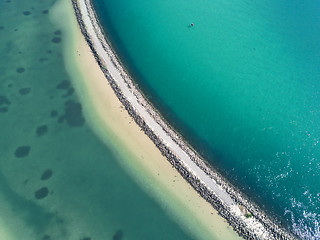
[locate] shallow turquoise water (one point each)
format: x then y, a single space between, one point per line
242 86
57 179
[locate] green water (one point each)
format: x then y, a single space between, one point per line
241 85
57 179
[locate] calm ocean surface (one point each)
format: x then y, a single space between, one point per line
242 86
58 181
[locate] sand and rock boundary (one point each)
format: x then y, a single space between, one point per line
246 218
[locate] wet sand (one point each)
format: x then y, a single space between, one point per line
140 157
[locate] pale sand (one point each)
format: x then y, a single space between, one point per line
5 233
141 158
8 228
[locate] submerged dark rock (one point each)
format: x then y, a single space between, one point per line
65 84
86 238
46 237
58 32
56 40
42 130
3 109
1 27
4 100
46 174
22 151
24 91
61 119
73 114
41 193
53 113
69 93
45 11
26 13
43 59
20 70
118 235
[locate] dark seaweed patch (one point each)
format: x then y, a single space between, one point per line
26 13
16 29
58 32
42 130
118 235
46 174
46 237
20 70
9 85
22 151
3 109
73 114
43 60
41 193
56 40
24 91
69 93
86 238
1 27
4 100
49 51
53 113
8 1
45 11
61 119
64 84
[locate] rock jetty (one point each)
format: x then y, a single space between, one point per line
247 219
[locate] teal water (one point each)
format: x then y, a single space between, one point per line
241 85
58 181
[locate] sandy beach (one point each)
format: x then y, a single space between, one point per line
118 137
143 149
147 166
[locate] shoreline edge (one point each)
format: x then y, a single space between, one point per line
228 201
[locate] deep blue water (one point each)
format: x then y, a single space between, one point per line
241 85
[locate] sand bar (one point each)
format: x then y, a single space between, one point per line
210 186
108 118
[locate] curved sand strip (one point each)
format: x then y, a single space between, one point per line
216 191
140 158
